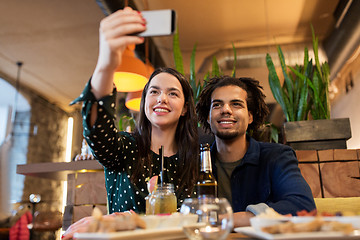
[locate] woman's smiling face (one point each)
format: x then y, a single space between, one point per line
164 101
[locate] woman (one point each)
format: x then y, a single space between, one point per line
167 118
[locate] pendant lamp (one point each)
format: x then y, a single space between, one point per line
133 99
132 74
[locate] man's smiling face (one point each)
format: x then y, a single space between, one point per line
229 116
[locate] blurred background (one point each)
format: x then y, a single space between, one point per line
48 51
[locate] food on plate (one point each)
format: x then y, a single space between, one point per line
114 222
324 214
123 221
274 223
318 224
306 213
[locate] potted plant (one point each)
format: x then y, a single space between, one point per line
196 85
268 132
304 99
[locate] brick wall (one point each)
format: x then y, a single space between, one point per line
47 145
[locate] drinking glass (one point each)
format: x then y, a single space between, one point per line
161 200
215 218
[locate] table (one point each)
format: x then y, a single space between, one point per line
233 236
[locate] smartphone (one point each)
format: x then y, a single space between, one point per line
159 23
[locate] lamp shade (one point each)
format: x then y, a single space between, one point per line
132 74
132 101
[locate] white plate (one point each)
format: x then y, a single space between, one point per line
354 220
258 222
249 231
143 234
168 221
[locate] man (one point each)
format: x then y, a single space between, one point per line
252 175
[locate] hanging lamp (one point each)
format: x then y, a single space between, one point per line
132 74
133 99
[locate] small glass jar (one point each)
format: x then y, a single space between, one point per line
162 200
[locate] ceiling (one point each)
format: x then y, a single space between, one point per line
57 40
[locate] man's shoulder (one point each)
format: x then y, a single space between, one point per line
275 152
273 147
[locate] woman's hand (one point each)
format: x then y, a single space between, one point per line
116 32
77 227
83 224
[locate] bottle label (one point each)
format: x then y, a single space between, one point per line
207 189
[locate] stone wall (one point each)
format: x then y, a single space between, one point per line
39 135
48 144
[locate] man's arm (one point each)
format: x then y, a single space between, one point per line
242 219
290 191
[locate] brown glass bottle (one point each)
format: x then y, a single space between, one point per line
206 185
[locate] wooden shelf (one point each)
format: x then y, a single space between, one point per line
58 170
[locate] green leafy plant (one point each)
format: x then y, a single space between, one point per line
125 122
196 85
305 90
267 132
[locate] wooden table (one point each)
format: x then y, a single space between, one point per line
233 236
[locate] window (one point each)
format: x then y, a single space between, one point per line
13 146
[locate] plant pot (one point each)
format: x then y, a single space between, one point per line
318 134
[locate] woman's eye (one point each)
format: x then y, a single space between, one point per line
173 94
152 92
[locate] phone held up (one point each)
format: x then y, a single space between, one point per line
159 23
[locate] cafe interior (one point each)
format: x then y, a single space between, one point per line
48 52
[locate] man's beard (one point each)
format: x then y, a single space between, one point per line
226 135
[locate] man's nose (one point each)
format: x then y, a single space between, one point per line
226 109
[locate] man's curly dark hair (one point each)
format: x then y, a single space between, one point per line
255 100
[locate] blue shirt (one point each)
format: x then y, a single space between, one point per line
268 173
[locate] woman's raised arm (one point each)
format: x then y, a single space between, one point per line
115 33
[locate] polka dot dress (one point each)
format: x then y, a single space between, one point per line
118 153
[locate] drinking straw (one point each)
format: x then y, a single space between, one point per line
161 151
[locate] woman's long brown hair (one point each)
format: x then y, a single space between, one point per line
186 136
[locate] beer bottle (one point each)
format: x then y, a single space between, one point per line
206 185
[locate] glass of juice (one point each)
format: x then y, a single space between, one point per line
162 200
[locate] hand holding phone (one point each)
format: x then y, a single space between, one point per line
159 23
